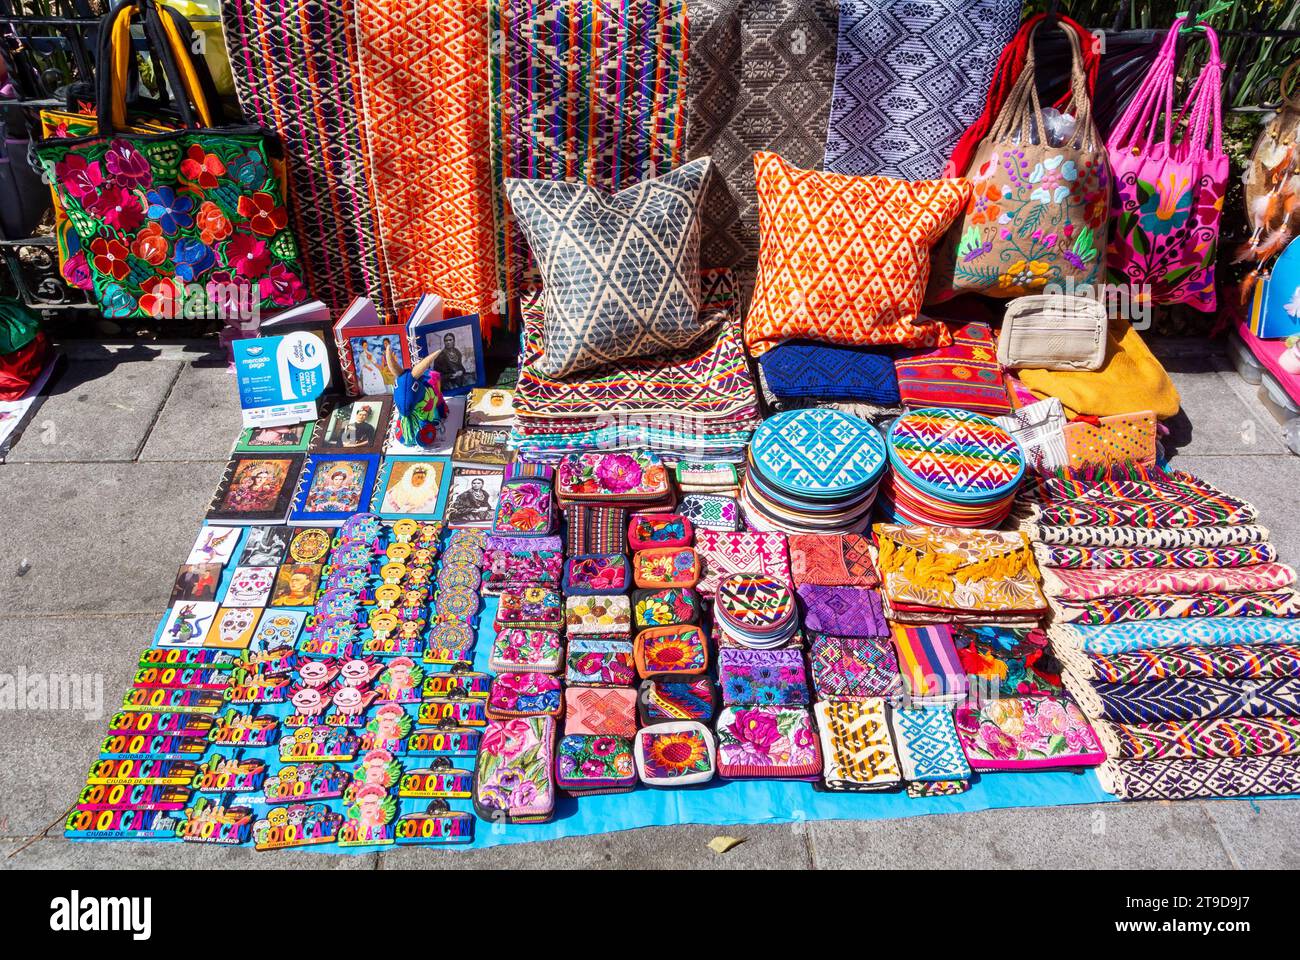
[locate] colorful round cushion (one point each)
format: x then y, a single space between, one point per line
818 452
755 602
955 455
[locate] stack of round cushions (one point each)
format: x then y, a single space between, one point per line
813 471
756 610
950 468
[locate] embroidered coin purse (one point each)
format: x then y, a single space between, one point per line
502 567
595 529
650 530
1108 441
843 611
675 754
525 508
666 567
514 771
638 477
598 614
1027 733
531 606
525 695
677 651
526 651
665 699
768 677
768 743
600 662
603 711
595 573
710 511
665 607
590 764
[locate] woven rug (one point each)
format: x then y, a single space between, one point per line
1200 698
1186 779
583 91
910 77
1107 536
1078 585
295 70
424 90
1151 558
1184 606
1140 666
760 77
1156 634
1192 739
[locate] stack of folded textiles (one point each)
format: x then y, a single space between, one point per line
1176 628
700 404
799 374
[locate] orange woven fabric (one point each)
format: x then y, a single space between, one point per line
846 259
424 82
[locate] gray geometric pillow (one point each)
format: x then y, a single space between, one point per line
621 272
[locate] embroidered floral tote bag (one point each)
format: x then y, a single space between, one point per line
1168 195
170 215
1038 211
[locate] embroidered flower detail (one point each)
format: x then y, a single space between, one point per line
127 165
984 203
265 217
109 256
118 208
212 223
114 301
150 245
202 168
1053 178
193 257
282 287
619 473
248 256
78 176
1024 276
76 270
170 211
1168 206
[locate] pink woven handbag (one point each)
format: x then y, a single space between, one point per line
1169 196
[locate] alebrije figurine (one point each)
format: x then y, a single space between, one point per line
418 398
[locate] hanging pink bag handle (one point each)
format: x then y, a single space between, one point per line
1154 99
1205 103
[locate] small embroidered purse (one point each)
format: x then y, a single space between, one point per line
514 772
598 614
602 662
671 651
525 695
663 699
526 651
768 743
675 754
595 573
649 530
665 607
590 764
666 567
600 711
769 677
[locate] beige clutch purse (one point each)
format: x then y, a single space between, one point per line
1053 332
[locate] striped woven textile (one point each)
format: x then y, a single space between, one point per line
1199 698
1133 558
1147 537
1156 634
583 91
424 88
1096 584
1190 739
1182 606
295 71
928 663
1140 666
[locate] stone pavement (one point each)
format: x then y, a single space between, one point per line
102 497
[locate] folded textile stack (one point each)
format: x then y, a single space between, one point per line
950 467
955 575
1176 629
812 471
965 375
804 373
697 405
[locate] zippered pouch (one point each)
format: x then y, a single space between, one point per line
530 607
596 573
666 567
671 651
676 754
600 662
525 507
526 651
514 772
711 511
1053 332
857 749
650 530
600 711
525 695
588 764
665 607
664 700
598 614
767 677
768 743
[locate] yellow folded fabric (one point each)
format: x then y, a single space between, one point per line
1130 381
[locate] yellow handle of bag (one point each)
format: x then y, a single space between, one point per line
120 65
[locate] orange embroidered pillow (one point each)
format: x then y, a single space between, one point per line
846 259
